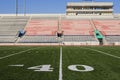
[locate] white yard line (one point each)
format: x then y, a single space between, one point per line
60 66
18 65
105 53
17 53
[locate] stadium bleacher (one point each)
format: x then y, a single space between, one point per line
109 28
42 26
8 39
44 17
113 38
9 27
81 38
78 30
76 27
38 39
42 29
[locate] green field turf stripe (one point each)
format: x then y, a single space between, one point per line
60 67
17 53
103 53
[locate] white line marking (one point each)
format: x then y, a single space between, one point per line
18 65
104 53
17 53
60 66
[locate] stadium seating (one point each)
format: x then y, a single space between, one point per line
80 38
109 28
77 30
42 26
38 39
113 38
44 29
7 39
44 17
77 27
9 27
41 30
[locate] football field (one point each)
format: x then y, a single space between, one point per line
60 63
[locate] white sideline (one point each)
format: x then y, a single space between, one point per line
104 53
17 53
60 66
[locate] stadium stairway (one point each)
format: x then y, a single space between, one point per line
110 29
92 23
23 30
98 35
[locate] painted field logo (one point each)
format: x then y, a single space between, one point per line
45 68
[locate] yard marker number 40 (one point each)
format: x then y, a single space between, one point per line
47 68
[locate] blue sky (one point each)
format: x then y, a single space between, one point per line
45 6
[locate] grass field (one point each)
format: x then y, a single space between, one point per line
16 61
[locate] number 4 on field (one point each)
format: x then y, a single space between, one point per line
42 68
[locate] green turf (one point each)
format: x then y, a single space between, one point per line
114 50
6 50
105 67
38 56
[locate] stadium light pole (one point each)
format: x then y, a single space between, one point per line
16 7
24 7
